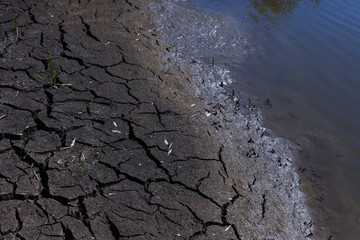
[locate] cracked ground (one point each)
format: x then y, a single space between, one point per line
110 151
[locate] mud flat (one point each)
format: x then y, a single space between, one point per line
257 162
135 140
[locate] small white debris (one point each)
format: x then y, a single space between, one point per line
38 178
226 229
166 142
207 114
169 151
116 131
170 146
230 199
73 142
61 161
2 116
178 234
82 158
139 164
115 124
107 43
137 39
51 15
192 105
111 194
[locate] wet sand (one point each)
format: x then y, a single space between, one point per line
134 141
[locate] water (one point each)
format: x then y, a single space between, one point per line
307 63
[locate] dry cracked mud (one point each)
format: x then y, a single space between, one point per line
120 148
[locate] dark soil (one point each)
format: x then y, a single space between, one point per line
117 149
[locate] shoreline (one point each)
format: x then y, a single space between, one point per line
125 146
324 220
226 110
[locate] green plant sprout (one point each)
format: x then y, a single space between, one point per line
36 74
14 22
16 29
166 70
54 74
17 205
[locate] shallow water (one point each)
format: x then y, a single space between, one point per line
304 57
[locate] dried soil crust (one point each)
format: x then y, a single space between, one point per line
122 148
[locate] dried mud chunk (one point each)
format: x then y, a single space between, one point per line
217 232
111 110
61 120
8 220
72 109
42 142
28 184
69 66
5 187
125 204
217 186
88 136
141 90
95 75
10 236
4 145
71 183
175 196
109 56
30 101
126 198
50 231
67 95
118 93
129 72
103 229
19 80
180 222
31 218
76 228
10 123
11 167
53 208
140 165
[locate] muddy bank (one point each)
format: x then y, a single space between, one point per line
199 41
254 156
132 142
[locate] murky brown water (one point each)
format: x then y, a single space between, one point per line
304 57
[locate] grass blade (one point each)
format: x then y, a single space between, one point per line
53 73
